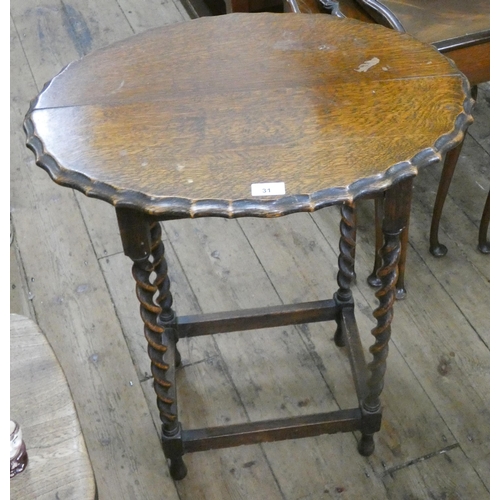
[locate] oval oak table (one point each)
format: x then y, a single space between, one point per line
253 115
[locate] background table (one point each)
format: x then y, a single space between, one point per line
457 28
41 402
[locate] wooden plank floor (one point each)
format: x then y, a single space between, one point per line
69 274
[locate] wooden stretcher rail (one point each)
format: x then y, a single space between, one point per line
355 350
276 430
253 319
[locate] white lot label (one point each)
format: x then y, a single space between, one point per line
268 188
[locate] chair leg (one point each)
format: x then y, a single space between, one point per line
437 249
484 244
450 162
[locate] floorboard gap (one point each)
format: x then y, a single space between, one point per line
420 459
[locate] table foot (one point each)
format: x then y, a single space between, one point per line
438 250
178 469
484 248
400 293
339 337
366 445
373 280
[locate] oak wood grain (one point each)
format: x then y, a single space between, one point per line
459 29
167 132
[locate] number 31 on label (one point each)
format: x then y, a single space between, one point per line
268 188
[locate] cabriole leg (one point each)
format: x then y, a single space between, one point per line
450 162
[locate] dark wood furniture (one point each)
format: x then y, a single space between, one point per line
460 29
252 115
41 402
233 6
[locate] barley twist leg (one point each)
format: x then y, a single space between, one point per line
159 328
374 280
162 283
388 274
345 274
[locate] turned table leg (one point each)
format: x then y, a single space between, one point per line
345 274
142 243
396 214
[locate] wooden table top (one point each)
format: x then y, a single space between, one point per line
182 121
41 402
